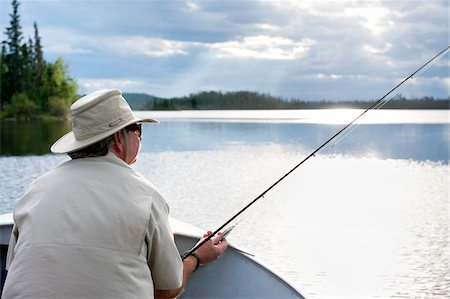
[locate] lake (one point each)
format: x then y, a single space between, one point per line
368 217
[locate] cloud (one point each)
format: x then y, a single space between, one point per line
88 85
374 18
192 6
425 86
375 51
254 47
140 45
66 48
328 76
263 47
65 41
61 41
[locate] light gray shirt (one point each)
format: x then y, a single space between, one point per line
91 228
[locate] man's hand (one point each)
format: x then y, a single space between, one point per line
212 249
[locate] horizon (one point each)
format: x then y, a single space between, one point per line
394 98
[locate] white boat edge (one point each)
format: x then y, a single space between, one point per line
236 274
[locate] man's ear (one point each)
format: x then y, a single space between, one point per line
117 138
118 146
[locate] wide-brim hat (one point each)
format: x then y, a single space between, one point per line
95 117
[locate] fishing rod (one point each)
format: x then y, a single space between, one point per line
378 104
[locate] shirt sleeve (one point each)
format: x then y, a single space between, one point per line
163 257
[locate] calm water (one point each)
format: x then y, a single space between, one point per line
367 218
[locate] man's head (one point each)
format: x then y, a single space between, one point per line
127 143
99 119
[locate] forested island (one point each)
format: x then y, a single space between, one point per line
216 100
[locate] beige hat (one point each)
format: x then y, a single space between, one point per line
95 117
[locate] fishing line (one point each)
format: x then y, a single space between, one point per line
378 104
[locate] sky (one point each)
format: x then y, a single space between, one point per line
306 50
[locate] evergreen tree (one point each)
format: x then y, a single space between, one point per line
12 57
3 71
26 64
39 70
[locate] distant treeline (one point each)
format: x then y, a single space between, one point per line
213 100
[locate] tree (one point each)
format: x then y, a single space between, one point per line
21 107
28 82
38 69
12 57
3 71
61 88
26 53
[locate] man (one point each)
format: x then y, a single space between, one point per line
93 227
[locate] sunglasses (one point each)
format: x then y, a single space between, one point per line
135 128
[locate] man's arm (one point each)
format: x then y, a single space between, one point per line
208 252
189 265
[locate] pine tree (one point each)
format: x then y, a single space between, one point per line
39 71
12 57
26 64
3 71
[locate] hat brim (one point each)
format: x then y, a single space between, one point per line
68 143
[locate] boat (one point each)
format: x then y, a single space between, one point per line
236 274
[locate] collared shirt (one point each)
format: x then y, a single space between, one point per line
91 228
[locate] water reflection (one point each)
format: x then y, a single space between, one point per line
388 141
30 138
416 141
